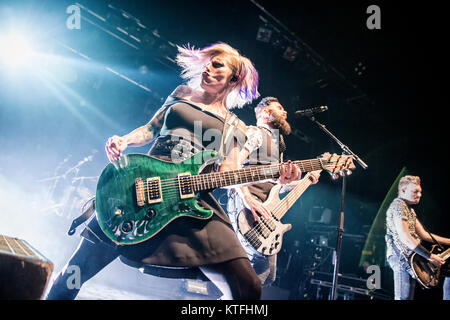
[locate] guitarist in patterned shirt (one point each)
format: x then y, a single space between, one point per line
404 234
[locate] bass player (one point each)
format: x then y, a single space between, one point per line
265 145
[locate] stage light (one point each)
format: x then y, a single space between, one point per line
143 69
290 54
360 69
264 34
15 50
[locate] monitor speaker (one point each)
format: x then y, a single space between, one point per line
24 272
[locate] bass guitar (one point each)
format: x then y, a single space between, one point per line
266 235
427 274
138 195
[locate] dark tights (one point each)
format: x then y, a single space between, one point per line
92 258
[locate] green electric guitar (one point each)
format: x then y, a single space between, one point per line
138 195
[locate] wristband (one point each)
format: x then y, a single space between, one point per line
422 251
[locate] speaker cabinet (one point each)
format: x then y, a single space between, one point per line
24 272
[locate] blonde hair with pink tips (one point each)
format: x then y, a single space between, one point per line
193 63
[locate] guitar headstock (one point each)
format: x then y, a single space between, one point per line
337 165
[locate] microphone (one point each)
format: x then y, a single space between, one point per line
310 112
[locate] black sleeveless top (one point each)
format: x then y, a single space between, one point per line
188 123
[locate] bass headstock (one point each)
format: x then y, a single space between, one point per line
337 165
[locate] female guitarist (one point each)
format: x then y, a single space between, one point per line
218 78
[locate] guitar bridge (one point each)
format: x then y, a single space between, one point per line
185 185
154 192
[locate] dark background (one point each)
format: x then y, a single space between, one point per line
60 110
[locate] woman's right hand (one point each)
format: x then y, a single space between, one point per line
114 147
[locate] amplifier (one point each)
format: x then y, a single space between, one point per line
24 272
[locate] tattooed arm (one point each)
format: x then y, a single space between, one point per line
145 134
138 137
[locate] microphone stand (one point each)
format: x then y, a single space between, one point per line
340 229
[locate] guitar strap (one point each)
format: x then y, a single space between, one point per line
438 244
231 123
87 213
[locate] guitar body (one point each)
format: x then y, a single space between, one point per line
119 213
264 237
427 274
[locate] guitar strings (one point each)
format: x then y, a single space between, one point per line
168 190
275 212
264 225
199 180
171 186
245 171
167 185
212 180
258 229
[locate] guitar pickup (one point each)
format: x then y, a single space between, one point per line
185 185
140 192
154 192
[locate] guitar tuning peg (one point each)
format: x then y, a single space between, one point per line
334 176
342 173
348 172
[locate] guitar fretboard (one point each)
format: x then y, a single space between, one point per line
248 175
263 227
446 254
287 202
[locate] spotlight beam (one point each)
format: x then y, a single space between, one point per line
15 50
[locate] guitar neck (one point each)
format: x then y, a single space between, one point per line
248 175
446 254
288 201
